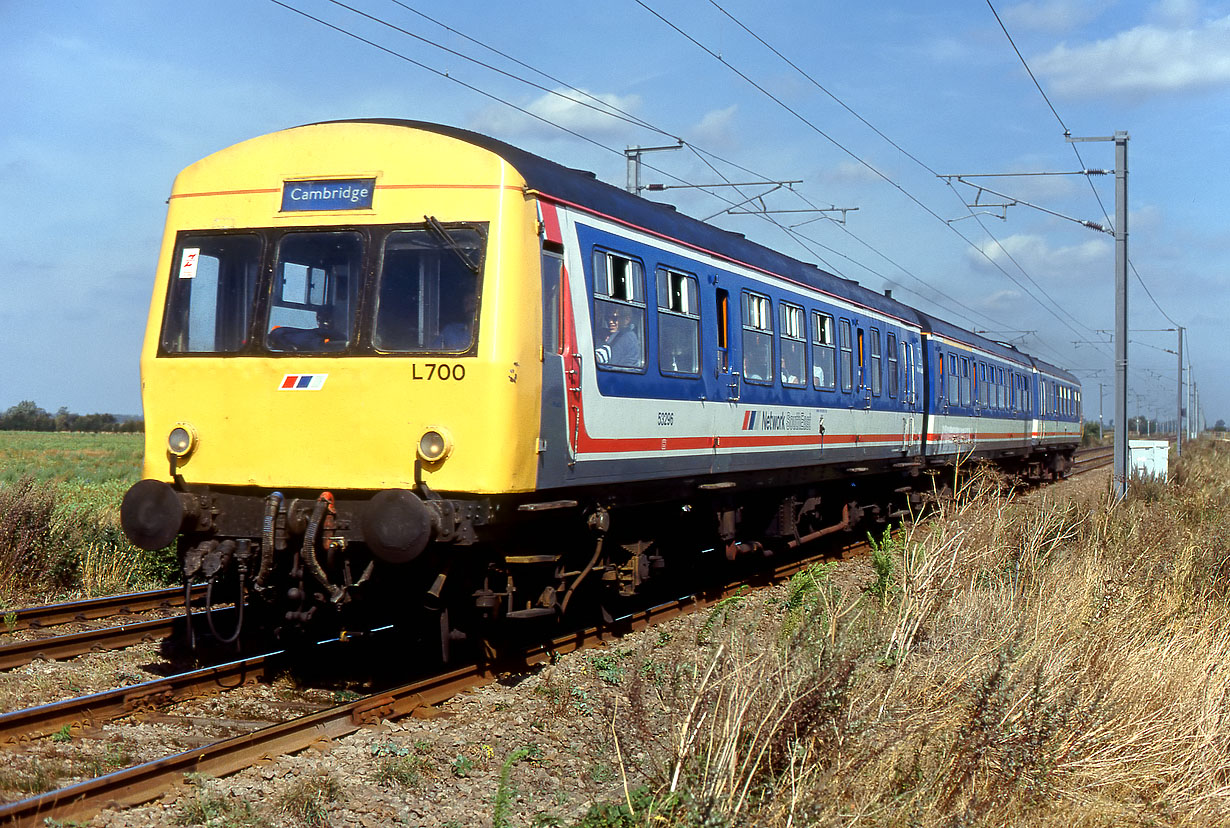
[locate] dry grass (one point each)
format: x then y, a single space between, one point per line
1044 661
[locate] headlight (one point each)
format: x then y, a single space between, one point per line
435 445
182 440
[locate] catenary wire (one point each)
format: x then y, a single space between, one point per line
1067 133
797 236
1057 305
854 156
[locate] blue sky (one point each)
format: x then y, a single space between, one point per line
104 102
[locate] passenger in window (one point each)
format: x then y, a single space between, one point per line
622 346
287 338
458 334
788 376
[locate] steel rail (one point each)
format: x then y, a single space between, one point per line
92 609
106 638
146 782
143 783
93 709
1091 459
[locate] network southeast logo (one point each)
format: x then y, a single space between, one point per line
303 382
777 421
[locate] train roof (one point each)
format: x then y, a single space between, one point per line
1055 371
1002 350
583 189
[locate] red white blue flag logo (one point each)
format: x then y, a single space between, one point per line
303 382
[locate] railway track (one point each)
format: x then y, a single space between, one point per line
142 783
1093 458
57 647
145 782
92 609
97 708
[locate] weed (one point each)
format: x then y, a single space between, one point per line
580 701
203 806
10 621
462 766
502 801
64 734
608 668
883 558
406 771
721 613
308 798
37 777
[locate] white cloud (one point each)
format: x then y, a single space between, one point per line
1053 15
1047 265
591 114
1146 60
716 128
849 172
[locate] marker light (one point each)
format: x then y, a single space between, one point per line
182 440
435 445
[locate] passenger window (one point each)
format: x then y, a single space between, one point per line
757 338
965 382
954 397
1001 389
794 346
847 356
678 323
619 311
890 347
876 363
822 351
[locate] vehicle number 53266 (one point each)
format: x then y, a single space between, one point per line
666 418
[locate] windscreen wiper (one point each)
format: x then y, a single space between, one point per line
436 227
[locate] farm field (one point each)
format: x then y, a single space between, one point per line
70 457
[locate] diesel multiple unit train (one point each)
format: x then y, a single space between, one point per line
391 363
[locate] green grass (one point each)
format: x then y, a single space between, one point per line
60 534
70 458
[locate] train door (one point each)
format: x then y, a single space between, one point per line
561 370
909 397
1033 396
860 404
981 384
727 375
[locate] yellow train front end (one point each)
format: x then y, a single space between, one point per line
342 361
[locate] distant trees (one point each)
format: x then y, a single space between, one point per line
1220 426
28 416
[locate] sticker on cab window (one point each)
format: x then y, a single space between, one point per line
187 264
